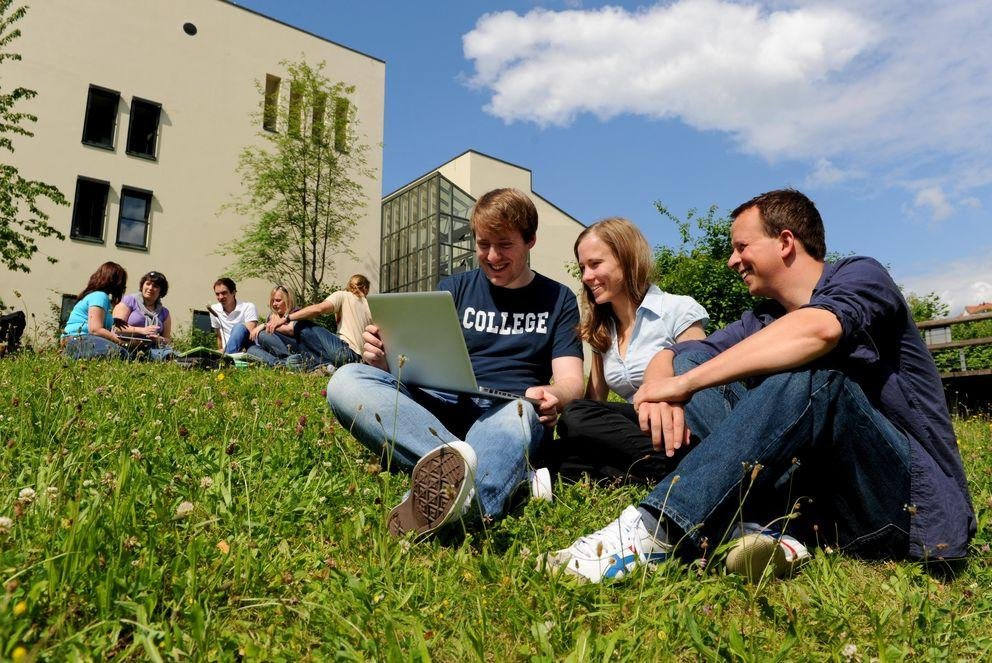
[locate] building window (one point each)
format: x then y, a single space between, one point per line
341 109
319 112
270 112
132 224
426 235
89 209
142 134
101 117
295 107
68 302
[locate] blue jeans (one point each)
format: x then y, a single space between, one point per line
278 345
238 340
815 434
89 346
402 424
320 346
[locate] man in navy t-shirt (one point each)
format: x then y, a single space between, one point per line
821 408
520 331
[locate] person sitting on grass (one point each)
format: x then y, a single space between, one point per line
457 445
626 320
826 390
277 347
231 320
143 313
89 331
320 346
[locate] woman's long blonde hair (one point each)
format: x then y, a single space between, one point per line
287 296
634 257
359 285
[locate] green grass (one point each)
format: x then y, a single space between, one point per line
283 555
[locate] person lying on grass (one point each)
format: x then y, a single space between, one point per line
456 445
825 391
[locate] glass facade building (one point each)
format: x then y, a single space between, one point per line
426 235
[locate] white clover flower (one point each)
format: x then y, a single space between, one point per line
184 509
52 491
87 483
206 482
5 524
136 454
26 495
849 651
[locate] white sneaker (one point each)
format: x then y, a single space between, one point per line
613 551
540 485
441 492
758 548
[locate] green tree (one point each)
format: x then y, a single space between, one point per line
302 185
926 307
698 266
22 218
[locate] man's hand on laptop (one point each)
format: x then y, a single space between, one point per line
374 353
548 409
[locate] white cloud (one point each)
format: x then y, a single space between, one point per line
933 199
825 174
903 90
962 282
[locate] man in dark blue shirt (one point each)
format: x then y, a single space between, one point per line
520 332
825 392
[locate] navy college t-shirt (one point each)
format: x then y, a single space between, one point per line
512 334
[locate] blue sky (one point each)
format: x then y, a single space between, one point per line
879 111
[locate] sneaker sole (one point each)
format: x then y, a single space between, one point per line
753 553
442 481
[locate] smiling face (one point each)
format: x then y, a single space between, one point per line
757 257
503 257
150 292
601 272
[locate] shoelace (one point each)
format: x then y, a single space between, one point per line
610 537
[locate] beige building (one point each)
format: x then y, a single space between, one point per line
425 224
143 108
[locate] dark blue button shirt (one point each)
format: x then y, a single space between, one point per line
881 349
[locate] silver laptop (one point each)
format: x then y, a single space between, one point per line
424 343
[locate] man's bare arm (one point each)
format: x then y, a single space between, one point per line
568 385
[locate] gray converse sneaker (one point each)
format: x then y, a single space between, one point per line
757 548
441 491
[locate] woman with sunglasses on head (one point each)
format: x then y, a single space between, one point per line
627 320
89 331
143 312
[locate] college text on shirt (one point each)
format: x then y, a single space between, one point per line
508 323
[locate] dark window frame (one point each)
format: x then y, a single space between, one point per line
130 150
270 103
141 193
88 117
74 232
65 308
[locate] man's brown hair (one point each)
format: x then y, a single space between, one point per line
501 210
788 209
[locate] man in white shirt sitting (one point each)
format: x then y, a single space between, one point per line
230 319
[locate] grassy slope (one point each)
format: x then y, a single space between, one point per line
284 554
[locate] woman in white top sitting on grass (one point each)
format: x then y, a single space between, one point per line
627 320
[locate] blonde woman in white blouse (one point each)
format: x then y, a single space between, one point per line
626 320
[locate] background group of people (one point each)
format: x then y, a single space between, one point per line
107 323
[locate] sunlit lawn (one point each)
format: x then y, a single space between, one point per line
155 512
